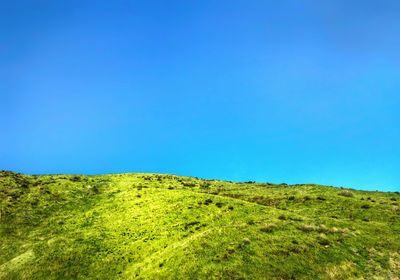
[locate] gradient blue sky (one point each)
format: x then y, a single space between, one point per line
278 91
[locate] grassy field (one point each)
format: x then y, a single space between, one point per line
154 226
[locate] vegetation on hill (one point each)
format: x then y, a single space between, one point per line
153 226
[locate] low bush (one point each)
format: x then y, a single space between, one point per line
322 229
265 200
307 228
346 193
282 217
322 240
76 178
191 224
296 219
229 251
268 228
208 201
206 185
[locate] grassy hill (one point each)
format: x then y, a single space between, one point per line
154 226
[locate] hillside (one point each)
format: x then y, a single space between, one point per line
154 226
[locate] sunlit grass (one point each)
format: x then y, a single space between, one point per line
165 226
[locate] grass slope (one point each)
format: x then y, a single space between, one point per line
154 226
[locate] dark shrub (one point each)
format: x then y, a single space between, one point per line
188 225
282 217
75 178
365 206
208 201
188 184
95 189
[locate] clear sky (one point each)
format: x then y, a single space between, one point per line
277 91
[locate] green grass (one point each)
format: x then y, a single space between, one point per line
153 226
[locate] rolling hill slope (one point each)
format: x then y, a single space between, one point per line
154 226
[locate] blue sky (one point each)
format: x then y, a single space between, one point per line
279 91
